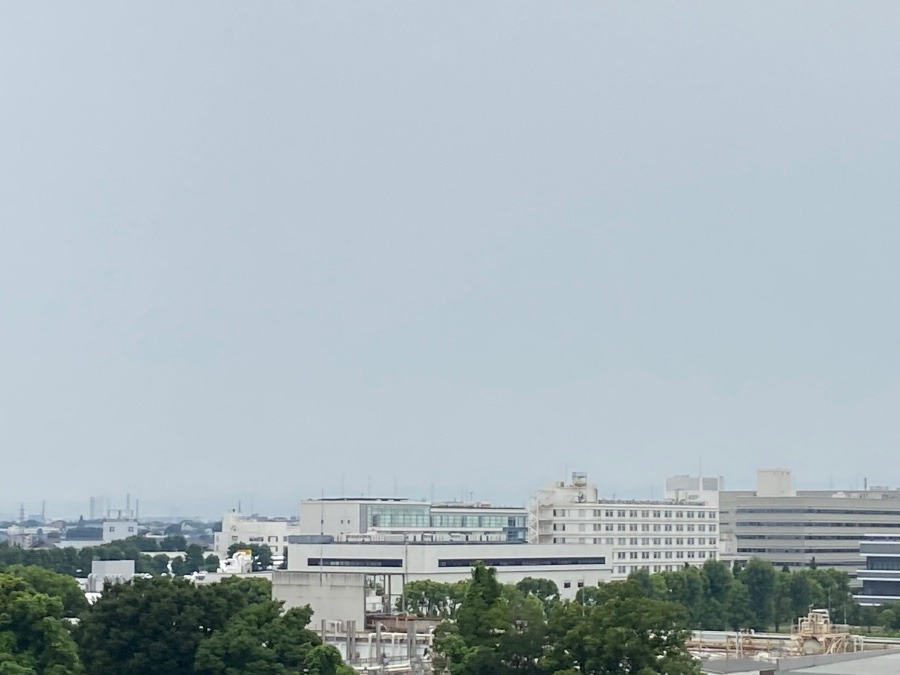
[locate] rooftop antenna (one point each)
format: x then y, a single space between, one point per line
395 486
342 485
369 485
321 522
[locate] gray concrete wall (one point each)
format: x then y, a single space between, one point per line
333 596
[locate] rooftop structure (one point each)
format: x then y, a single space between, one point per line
382 519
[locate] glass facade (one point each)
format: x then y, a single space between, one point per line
397 515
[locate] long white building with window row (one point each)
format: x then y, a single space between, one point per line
660 536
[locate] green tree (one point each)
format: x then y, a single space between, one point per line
259 639
737 606
325 660
53 584
149 626
626 633
34 637
759 578
782 611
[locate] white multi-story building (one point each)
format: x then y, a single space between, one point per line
240 529
659 536
374 519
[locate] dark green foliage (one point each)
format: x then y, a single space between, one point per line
77 562
171 626
34 637
432 598
612 629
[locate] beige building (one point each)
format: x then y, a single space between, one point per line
790 527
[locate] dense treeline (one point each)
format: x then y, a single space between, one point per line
713 596
525 629
158 626
147 553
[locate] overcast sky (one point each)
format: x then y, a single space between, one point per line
260 251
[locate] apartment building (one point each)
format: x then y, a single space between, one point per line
791 528
660 536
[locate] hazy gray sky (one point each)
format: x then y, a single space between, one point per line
253 250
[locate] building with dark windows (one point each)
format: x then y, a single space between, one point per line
881 577
344 581
658 535
792 528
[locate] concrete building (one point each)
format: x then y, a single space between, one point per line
790 527
254 529
109 572
660 536
376 519
881 576
337 578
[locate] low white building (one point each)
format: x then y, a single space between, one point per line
336 578
239 528
660 536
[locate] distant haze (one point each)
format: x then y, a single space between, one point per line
260 252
